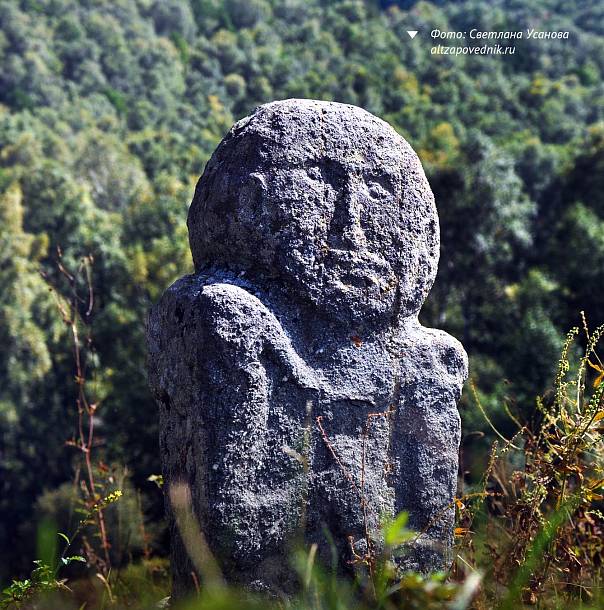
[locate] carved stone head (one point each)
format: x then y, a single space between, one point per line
325 199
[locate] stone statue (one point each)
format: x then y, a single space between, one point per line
300 399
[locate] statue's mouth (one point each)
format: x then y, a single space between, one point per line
359 269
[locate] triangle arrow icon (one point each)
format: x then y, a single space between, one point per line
412 33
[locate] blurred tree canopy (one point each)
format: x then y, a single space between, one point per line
109 110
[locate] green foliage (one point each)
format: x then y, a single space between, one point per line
63 508
44 578
539 536
117 100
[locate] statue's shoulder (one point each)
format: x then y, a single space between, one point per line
225 302
435 349
221 310
204 324
222 321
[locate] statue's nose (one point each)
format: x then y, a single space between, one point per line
345 229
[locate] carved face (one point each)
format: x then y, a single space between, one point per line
327 199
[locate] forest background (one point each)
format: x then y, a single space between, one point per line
109 110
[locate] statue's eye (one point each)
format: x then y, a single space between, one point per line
376 190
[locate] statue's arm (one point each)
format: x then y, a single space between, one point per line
213 351
206 345
426 441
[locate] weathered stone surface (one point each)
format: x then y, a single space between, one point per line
298 392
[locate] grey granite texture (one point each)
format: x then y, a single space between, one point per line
300 399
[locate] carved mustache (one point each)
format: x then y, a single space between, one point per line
361 269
